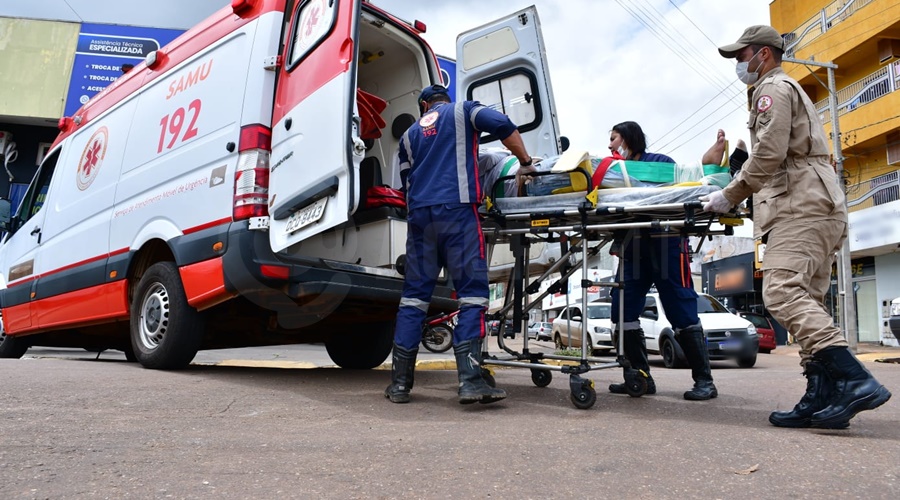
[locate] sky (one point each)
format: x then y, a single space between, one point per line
650 61
608 66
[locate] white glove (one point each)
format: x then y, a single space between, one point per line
716 202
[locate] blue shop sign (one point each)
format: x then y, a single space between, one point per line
102 50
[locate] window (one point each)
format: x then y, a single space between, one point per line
37 191
893 148
314 20
513 93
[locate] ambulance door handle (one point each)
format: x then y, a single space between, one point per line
288 123
37 231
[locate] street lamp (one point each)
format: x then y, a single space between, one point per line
845 276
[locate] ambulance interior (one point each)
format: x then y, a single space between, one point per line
393 68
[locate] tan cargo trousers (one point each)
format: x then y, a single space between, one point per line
797 275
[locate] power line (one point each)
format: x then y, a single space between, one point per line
661 34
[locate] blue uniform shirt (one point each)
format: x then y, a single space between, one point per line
656 157
438 154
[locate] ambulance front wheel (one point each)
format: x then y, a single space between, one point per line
166 332
11 347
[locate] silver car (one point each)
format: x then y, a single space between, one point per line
599 327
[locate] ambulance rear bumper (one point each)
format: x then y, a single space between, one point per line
252 270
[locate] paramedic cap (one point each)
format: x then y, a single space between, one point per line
431 91
754 35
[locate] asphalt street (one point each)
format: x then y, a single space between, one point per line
244 424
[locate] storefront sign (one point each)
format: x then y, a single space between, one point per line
102 50
729 276
875 227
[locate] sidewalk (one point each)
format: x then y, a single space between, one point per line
864 351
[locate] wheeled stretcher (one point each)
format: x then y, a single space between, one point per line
582 224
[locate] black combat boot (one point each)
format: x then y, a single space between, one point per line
818 390
855 389
636 352
472 387
403 368
693 343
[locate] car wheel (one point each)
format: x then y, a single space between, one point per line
747 362
11 347
558 341
166 332
669 354
766 351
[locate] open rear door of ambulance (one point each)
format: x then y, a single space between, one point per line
503 65
315 143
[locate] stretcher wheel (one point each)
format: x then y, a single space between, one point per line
584 396
541 378
635 383
488 377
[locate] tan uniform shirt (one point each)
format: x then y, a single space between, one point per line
789 167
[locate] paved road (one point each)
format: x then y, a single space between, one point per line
76 427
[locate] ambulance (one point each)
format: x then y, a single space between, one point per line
215 196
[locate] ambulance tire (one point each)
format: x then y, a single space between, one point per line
362 349
11 347
166 332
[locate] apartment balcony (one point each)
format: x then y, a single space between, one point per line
874 192
828 18
863 91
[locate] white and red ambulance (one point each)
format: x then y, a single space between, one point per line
215 195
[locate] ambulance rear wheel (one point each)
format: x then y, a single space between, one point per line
166 332
362 349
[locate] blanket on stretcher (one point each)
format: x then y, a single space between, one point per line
613 197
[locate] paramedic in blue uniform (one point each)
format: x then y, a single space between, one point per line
439 170
652 259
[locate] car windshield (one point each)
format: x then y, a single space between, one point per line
599 311
707 304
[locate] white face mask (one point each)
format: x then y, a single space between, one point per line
743 73
622 151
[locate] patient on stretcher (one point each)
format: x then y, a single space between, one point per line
620 181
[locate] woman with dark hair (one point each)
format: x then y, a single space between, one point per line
628 140
652 258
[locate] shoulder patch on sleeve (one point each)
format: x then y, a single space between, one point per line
764 103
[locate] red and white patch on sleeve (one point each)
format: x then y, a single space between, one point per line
764 103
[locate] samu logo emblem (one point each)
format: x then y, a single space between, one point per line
91 158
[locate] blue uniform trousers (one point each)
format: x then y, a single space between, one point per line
443 236
665 262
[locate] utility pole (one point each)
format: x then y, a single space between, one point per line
845 275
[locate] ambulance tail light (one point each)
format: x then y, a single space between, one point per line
251 179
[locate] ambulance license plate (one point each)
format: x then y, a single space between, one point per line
306 216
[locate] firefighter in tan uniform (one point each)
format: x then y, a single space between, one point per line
800 213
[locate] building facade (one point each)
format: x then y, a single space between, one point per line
861 37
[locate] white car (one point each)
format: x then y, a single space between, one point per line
727 334
598 323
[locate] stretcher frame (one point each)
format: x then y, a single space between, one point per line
589 227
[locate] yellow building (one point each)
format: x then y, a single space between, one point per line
861 37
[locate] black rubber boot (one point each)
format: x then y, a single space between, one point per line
403 369
472 387
636 352
819 387
855 389
693 343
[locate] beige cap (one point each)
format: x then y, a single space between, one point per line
754 35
